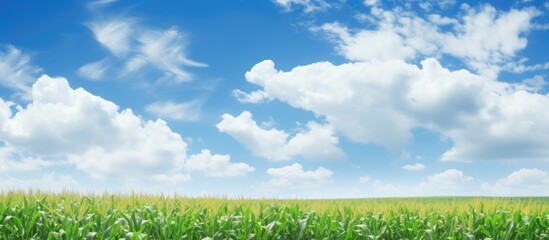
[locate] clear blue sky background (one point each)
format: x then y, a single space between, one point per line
306 98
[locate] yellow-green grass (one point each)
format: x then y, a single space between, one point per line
67 215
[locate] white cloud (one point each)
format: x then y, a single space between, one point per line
165 49
316 142
524 182
262 142
441 20
371 2
520 67
308 5
186 111
446 3
92 134
294 177
114 34
484 39
252 97
509 126
16 71
216 165
535 83
414 167
138 48
428 5
357 99
451 181
94 70
51 182
13 161
382 101
383 44
488 38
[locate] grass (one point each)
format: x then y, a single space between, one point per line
39 215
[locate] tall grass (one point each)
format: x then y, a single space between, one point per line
39 215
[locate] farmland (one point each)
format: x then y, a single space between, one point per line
37 215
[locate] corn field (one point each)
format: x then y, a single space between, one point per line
38 215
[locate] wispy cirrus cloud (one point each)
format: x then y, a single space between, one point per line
413 167
114 34
185 111
95 70
252 97
138 49
16 70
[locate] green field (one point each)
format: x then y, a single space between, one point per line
38 215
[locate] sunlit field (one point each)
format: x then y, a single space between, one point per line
38 215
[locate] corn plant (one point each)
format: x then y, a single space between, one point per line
71 216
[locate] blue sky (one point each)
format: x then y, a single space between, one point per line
286 98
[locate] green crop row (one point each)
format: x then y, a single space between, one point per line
95 218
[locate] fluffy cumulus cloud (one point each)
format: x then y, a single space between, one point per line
317 141
524 182
135 48
484 38
216 165
92 134
185 111
350 96
510 126
307 5
380 97
16 72
382 101
294 177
